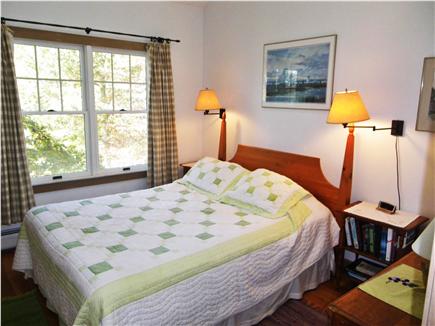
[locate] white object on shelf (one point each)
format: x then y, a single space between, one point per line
368 210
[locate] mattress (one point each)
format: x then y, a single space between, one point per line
146 257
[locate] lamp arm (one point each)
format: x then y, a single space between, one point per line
396 127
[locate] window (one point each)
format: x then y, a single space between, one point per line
84 110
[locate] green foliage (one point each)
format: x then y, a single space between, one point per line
51 155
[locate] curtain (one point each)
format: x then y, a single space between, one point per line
16 187
162 138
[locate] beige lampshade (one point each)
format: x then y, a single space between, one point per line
347 107
207 100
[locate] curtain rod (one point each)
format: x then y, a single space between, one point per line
88 30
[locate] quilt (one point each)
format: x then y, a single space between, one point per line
111 251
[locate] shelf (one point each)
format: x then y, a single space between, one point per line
368 255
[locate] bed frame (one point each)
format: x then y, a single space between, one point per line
305 170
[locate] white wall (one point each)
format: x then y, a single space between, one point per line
380 51
173 20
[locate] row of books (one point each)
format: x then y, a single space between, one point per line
381 242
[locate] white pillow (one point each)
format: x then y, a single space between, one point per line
213 177
265 193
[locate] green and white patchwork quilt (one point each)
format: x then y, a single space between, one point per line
108 252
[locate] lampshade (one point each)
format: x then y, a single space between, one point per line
347 107
207 100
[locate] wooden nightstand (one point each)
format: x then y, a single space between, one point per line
359 308
377 240
187 166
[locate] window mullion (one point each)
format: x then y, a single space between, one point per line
37 79
92 131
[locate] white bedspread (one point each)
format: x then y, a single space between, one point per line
203 299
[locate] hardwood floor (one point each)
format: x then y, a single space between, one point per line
310 310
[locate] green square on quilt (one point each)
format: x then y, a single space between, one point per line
39 210
166 235
117 248
272 197
232 167
268 183
176 210
181 200
159 250
242 223
104 217
159 189
241 214
250 190
137 219
204 236
91 229
208 211
217 181
146 208
184 192
124 195
215 169
72 213
54 226
201 175
171 222
153 198
85 202
207 223
117 205
72 244
208 201
127 233
98 268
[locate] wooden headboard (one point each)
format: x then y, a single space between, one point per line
305 170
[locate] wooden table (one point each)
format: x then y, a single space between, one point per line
187 166
359 308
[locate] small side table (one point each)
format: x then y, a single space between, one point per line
359 308
187 166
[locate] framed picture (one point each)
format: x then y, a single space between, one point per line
299 74
426 104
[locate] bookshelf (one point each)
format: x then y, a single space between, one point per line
382 239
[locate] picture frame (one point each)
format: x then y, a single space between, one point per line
426 104
299 74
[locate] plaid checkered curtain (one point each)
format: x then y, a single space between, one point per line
162 138
16 188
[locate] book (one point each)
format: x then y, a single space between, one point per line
354 232
383 244
371 239
347 229
365 237
367 268
389 246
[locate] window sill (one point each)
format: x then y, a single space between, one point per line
91 181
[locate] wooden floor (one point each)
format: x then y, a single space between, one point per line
310 310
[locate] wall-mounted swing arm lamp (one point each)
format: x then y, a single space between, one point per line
207 100
348 107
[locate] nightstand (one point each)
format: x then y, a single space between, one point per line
356 307
187 166
381 237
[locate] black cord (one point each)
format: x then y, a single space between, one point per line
397 169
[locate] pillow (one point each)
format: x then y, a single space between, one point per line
213 177
265 193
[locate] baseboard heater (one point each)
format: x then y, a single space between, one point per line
9 235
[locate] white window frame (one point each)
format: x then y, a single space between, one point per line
88 111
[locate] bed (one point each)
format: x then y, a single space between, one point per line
171 255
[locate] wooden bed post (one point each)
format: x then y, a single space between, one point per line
346 174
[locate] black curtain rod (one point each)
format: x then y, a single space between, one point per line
88 30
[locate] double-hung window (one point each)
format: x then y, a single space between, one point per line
84 109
